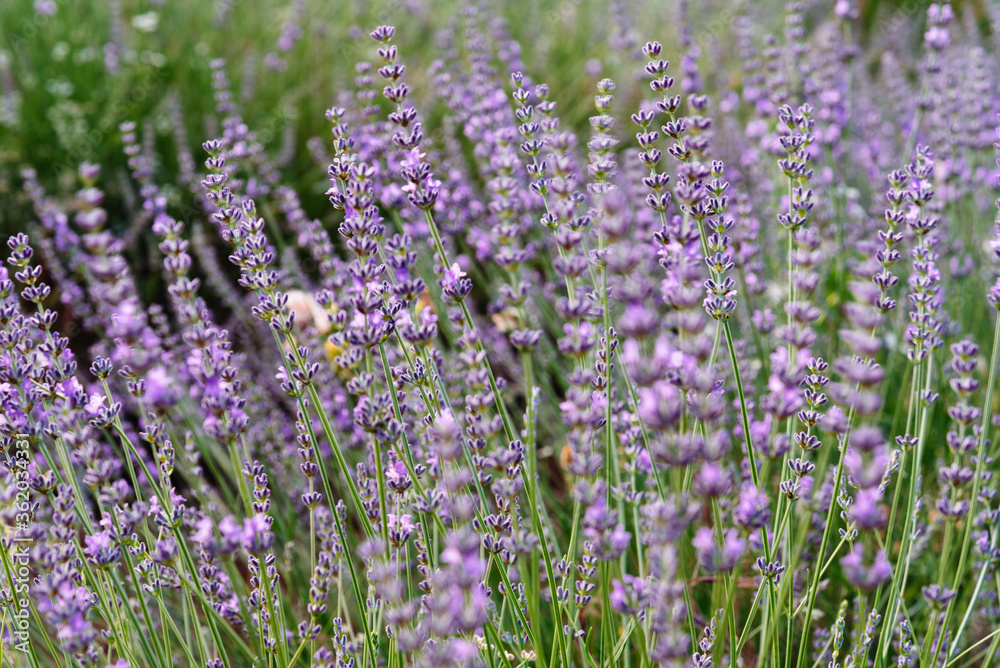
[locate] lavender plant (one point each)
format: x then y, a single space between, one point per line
529 360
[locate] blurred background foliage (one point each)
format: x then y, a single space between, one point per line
63 98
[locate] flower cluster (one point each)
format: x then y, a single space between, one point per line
516 385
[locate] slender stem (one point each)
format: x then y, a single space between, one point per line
977 481
765 539
814 586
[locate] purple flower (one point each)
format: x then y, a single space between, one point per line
608 537
628 595
397 477
97 542
712 481
459 555
256 537
868 511
714 557
865 576
232 534
204 531
751 511
660 405
993 295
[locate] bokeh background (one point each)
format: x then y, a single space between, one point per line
71 71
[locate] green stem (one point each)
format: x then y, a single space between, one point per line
977 481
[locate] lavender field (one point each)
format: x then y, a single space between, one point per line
541 333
